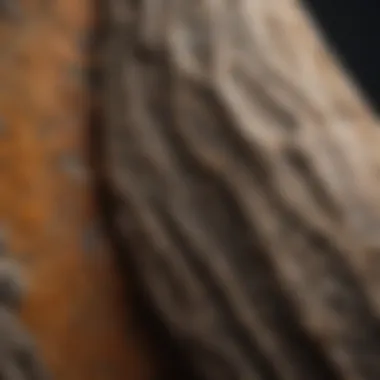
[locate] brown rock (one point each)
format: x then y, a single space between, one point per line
75 306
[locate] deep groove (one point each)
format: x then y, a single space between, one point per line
261 363
311 354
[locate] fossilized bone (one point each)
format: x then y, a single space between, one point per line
247 170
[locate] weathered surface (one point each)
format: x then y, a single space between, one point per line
75 307
246 170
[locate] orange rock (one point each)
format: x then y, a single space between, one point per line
75 305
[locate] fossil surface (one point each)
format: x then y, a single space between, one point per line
245 168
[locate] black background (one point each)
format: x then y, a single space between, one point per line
352 27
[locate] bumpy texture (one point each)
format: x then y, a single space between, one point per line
246 174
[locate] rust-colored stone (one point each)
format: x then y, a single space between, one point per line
75 306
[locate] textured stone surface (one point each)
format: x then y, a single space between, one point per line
247 173
75 305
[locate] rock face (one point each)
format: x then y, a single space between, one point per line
74 307
245 172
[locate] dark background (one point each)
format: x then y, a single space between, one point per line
352 27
